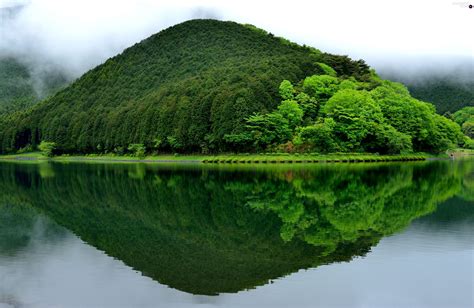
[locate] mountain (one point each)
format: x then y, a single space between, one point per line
195 82
447 92
194 87
16 89
20 89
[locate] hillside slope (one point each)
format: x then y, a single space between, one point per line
19 90
446 92
16 89
186 86
213 86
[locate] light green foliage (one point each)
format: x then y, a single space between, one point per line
463 115
468 143
47 148
309 105
388 140
321 87
468 128
348 84
291 111
320 136
286 90
465 118
385 120
446 134
327 69
137 150
429 131
28 148
356 115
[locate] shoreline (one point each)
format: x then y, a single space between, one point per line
227 159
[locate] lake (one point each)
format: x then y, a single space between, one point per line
321 235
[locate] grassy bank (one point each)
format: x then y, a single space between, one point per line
226 158
311 158
460 152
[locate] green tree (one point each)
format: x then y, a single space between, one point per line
327 69
291 111
137 150
463 115
309 105
268 129
468 128
47 148
320 136
321 87
356 116
286 90
429 131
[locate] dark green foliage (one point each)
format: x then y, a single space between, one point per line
448 93
345 67
446 96
17 86
189 85
137 150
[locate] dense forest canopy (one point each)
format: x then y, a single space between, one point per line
213 86
16 89
20 88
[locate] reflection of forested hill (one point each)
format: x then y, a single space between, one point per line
208 231
453 211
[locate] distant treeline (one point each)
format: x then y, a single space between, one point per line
448 93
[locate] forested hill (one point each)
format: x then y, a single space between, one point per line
19 89
16 89
193 82
447 92
210 86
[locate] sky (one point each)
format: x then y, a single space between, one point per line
75 35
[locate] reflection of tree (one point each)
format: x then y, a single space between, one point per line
466 167
209 231
340 206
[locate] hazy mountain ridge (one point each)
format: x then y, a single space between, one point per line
449 86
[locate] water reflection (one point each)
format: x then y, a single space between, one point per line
221 230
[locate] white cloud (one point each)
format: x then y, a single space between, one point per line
75 35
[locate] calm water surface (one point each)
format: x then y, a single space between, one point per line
134 235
